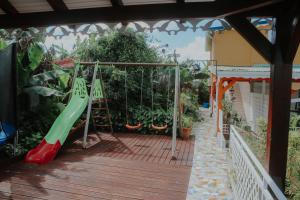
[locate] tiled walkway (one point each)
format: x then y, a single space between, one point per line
209 179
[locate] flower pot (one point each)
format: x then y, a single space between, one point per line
185 133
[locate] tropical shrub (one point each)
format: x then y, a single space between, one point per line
195 79
41 88
293 163
189 105
293 167
187 122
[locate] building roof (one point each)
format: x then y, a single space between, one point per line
254 72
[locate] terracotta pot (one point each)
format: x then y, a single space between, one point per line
186 132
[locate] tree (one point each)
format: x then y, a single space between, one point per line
116 47
129 47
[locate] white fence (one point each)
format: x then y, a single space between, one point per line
249 179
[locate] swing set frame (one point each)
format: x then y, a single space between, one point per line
138 65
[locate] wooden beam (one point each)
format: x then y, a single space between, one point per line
293 31
237 7
58 5
116 3
180 1
250 33
265 11
280 94
134 13
279 115
7 7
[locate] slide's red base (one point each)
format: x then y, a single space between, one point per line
43 153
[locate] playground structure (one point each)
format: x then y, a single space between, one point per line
50 145
8 108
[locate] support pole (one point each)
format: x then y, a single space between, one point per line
174 132
179 105
280 53
87 122
279 112
217 108
211 101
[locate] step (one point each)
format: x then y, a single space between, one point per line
101 100
100 108
103 125
101 117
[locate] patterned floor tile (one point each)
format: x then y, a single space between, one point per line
209 178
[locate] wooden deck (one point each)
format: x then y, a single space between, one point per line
119 167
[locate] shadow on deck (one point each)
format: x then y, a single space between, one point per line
119 166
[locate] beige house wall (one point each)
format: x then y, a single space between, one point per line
229 48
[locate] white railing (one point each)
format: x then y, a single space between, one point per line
249 179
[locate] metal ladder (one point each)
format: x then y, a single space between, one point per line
101 116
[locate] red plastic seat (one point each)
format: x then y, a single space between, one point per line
133 127
159 128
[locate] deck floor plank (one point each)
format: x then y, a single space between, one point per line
118 167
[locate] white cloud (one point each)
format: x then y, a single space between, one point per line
194 50
67 42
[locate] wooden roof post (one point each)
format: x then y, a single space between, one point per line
287 38
280 54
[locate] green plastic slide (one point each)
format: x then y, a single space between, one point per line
57 135
65 121
97 93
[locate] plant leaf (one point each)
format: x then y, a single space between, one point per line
35 55
43 91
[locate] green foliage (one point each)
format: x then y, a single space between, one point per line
30 141
187 122
116 47
130 47
3 44
195 79
294 120
293 167
262 126
43 91
293 163
230 116
256 142
189 104
40 87
147 117
35 55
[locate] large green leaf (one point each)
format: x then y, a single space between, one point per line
63 80
43 91
46 76
35 55
3 44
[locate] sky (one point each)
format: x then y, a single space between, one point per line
188 44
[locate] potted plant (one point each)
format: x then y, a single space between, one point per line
187 123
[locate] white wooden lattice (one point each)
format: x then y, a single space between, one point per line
249 180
